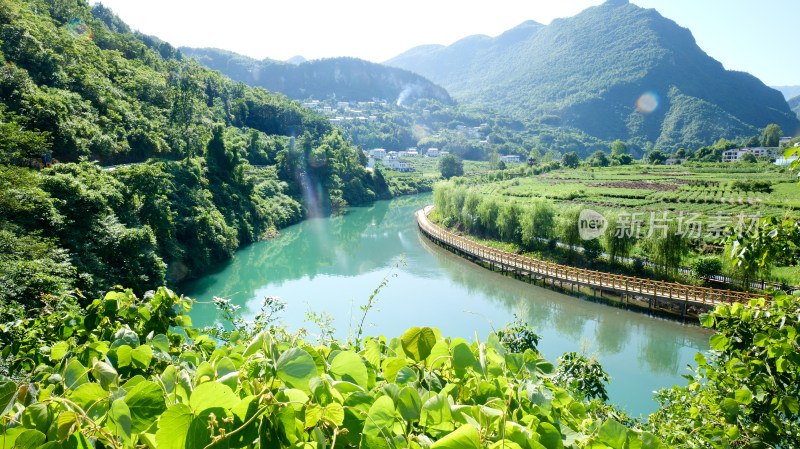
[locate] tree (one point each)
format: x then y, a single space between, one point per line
656 157
598 159
772 135
667 247
618 148
753 142
494 160
450 165
749 158
705 267
570 160
623 159
681 153
617 242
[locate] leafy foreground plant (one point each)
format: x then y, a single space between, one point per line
133 373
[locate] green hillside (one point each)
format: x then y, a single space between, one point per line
226 164
592 69
794 103
348 79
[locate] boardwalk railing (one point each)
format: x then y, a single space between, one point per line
523 265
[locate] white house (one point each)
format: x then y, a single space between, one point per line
377 153
342 104
675 161
400 165
784 140
510 158
735 155
433 152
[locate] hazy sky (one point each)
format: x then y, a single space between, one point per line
754 36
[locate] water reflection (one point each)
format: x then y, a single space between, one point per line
333 264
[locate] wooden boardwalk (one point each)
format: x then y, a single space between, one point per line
625 286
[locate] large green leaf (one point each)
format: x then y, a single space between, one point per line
75 375
549 436
141 356
295 368
212 394
146 403
30 439
121 423
409 404
465 437
173 427
613 434
436 413
377 431
8 395
92 399
418 343
349 367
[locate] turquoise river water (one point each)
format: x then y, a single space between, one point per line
334 264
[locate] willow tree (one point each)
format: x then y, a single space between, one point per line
667 247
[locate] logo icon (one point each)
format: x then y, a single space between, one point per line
591 224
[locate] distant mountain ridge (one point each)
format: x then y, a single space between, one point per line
344 78
614 71
788 92
794 103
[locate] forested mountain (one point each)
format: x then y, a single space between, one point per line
79 90
614 71
794 103
342 78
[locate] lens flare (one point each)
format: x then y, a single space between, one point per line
177 271
647 103
79 30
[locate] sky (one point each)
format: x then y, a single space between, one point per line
758 37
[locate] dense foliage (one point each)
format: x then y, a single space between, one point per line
132 372
614 71
228 164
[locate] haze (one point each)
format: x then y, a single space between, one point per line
756 37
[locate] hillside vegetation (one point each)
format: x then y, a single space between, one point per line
349 79
613 71
79 90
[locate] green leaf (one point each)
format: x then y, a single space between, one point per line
313 415
92 399
613 434
409 404
173 427
760 339
212 394
391 366
549 436
30 439
75 375
436 413
463 357
8 396
377 428
418 343
66 424
790 405
465 437
295 368
146 403
104 373
718 342
349 367
58 351
335 413
141 356
121 423
743 396
730 409
161 343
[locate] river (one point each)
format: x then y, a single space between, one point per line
334 264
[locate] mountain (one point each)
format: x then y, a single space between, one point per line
343 78
297 59
788 91
794 103
614 71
